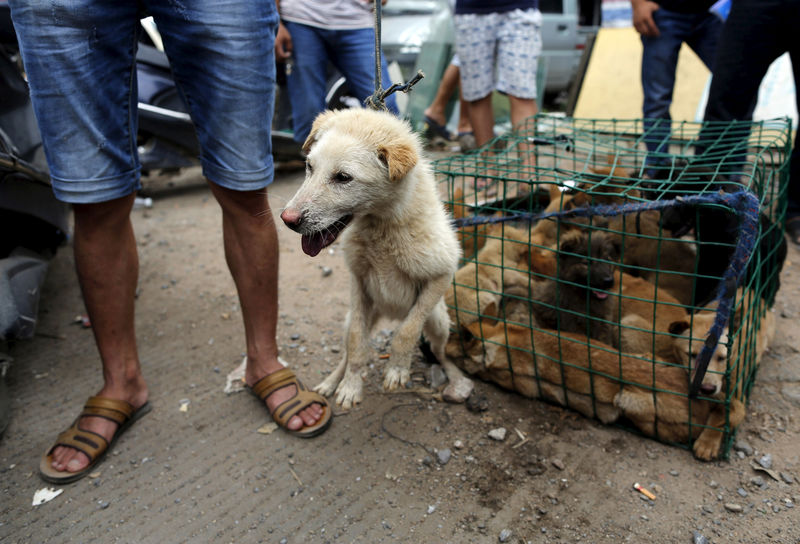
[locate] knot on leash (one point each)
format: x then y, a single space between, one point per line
376 100
744 203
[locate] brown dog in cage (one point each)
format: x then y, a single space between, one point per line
367 180
647 313
578 300
598 381
501 263
691 334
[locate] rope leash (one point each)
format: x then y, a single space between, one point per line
744 203
376 101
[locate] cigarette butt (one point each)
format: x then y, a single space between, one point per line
644 491
383 356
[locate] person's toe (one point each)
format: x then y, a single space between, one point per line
295 423
69 459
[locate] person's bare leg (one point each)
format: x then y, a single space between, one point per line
108 268
447 86
521 109
464 124
251 251
481 117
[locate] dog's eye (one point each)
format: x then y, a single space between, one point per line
342 177
309 168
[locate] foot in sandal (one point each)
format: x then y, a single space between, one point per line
83 445
292 406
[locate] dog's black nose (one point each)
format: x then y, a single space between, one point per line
607 282
292 218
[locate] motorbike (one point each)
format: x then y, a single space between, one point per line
166 136
32 222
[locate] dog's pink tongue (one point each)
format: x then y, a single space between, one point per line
314 243
600 295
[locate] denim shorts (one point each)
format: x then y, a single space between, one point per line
499 51
351 51
79 57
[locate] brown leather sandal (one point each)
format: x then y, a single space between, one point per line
294 405
91 444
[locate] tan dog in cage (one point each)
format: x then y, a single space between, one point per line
597 381
692 333
366 179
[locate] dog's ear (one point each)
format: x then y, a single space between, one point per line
678 327
571 242
316 126
399 158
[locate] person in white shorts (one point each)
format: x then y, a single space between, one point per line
498 43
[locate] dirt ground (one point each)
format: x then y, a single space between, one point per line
398 468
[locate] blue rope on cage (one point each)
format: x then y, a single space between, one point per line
744 203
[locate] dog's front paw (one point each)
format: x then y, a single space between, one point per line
395 377
458 390
328 386
707 445
348 394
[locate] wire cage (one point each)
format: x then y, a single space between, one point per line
594 272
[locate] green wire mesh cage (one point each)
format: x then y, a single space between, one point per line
605 311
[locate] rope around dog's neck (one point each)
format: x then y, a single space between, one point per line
377 100
744 203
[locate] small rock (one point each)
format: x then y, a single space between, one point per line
765 461
786 477
498 434
558 463
713 484
335 348
743 447
477 403
431 509
103 504
295 336
443 456
427 461
741 492
505 534
733 507
757 481
698 538
326 271
436 376
674 472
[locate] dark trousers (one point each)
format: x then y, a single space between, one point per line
756 33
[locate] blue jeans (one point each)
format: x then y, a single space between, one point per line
660 58
756 33
79 57
352 52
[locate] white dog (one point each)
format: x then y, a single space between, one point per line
365 175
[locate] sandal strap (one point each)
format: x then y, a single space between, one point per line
277 380
292 406
117 411
90 444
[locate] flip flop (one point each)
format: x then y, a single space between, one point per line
91 444
293 405
436 128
